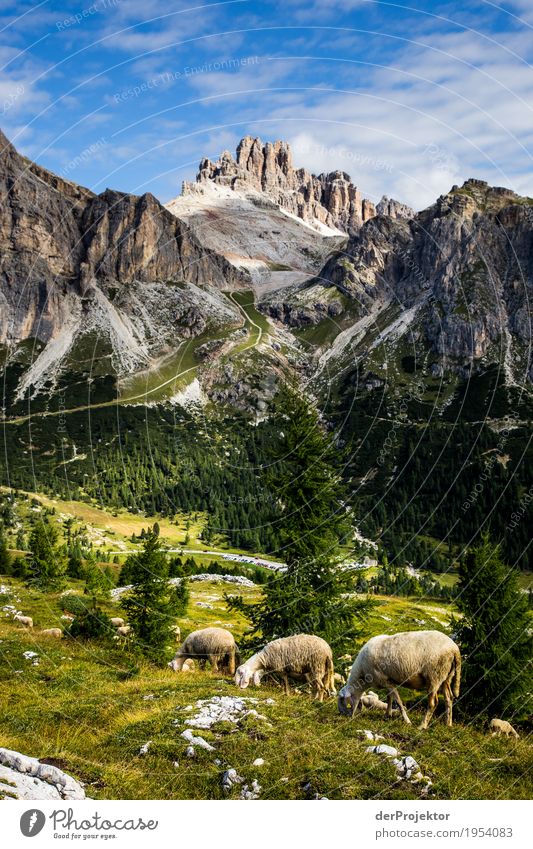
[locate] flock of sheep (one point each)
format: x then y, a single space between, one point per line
420 660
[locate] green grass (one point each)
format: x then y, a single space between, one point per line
254 320
85 707
171 374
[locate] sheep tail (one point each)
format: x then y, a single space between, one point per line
456 674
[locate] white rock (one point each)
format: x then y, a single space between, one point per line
23 777
382 749
144 748
230 779
197 741
370 735
258 762
252 792
406 767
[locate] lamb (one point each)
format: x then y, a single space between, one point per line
500 727
124 630
213 644
302 655
117 621
52 632
427 660
372 700
27 621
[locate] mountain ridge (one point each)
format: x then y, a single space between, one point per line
327 200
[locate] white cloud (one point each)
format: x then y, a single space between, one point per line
445 110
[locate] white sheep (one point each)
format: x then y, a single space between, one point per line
302 655
124 630
500 727
27 621
52 632
213 644
117 622
421 660
372 700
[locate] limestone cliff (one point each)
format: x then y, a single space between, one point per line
329 199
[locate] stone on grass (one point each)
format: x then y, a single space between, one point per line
383 749
197 741
230 779
23 777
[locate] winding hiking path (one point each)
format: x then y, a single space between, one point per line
143 396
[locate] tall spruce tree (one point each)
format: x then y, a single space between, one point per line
493 634
315 594
5 557
48 563
152 603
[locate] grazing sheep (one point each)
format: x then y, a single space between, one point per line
373 701
117 621
417 659
124 630
213 644
300 655
27 621
501 727
52 632
339 679
177 632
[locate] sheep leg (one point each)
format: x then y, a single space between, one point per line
286 684
314 681
388 713
214 663
449 703
433 698
319 690
394 692
231 663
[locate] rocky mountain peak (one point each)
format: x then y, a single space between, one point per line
475 197
327 199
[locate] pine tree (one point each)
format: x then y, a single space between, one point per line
152 603
493 634
314 594
96 583
5 557
48 564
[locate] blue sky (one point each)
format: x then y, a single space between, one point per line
408 99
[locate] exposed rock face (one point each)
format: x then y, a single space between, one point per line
330 199
394 208
464 264
59 241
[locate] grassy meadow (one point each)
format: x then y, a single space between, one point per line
89 707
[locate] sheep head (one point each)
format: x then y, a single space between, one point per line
244 675
347 702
